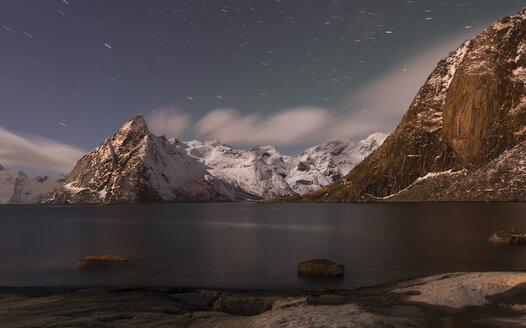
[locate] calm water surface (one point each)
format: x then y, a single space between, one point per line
247 245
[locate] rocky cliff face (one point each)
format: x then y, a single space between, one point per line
135 166
471 109
18 188
501 179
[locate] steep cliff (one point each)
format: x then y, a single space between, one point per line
471 109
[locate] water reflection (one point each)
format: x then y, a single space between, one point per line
248 245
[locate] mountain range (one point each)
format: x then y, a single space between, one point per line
136 166
464 135
18 188
463 138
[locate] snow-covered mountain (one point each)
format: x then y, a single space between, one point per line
18 188
323 164
136 166
252 171
266 173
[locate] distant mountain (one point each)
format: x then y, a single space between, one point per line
135 166
18 188
463 137
321 165
252 172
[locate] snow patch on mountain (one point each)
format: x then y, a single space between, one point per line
266 173
32 190
508 21
323 164
7 185
519 74
441 83
438 83
18 188
255 172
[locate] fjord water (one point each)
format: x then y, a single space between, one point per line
252 245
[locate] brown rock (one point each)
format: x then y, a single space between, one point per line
508 237
320 268
244 304
102 262
470 111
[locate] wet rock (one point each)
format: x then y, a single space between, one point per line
209 297
290 302
244 305
331 299
508 237
102 262
320 268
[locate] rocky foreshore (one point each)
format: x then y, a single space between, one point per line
480 299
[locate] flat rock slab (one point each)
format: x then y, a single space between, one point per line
491 299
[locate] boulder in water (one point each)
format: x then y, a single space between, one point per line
320 268
511 237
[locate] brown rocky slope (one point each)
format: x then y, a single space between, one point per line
464 119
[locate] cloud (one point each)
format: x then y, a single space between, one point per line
382 103
37 153
376 107
168 121
289 127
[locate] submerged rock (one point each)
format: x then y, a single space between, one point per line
320 268
511 237
102 262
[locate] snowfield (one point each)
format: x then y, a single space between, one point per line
18 188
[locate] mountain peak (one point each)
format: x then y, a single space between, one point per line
509 21
136 124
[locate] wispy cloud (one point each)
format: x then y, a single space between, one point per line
289 127
168 121
37 153
376 107
382 103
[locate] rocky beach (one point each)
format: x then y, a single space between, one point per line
476 299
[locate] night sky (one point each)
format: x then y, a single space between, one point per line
73 71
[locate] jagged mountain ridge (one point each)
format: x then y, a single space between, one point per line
135 166
469 112
323 164
18 188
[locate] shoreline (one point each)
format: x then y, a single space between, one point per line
489 299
